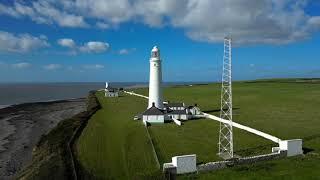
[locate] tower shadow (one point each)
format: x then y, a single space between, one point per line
217 110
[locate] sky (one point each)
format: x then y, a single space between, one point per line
107 40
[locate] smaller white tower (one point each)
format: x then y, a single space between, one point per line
106 90
155 82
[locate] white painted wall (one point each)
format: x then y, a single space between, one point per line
135 94
184 117
246 128
153 118
185 164
293 146
177 121
111 94
180 116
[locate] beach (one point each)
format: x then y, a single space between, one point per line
21 127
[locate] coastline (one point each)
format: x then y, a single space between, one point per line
22 125
4 106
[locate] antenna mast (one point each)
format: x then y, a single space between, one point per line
225 133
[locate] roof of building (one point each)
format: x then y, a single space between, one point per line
177 112
110 89
153 111
175 104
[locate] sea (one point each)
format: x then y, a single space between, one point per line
17 93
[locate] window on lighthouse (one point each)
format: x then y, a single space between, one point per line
155 54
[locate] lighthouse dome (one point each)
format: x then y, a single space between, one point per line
155 52
155 48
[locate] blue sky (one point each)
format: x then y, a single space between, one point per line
103 40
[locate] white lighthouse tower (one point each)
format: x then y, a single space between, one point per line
155 82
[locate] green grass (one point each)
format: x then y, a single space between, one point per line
284 109
200 137
113 146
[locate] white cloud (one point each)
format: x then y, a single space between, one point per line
22 65
249 22
52 66
314 22
94 47
44 12
108 10
66 43
126 51
102 25
21 43
88 47
8 11
93 66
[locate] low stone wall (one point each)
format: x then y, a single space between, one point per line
238 161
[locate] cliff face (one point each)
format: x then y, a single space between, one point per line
52 157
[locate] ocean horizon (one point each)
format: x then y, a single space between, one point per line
18 93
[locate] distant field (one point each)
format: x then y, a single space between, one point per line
286 110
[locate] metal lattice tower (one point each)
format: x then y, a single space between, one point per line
225 133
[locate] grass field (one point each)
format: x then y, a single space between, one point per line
284 109
113 146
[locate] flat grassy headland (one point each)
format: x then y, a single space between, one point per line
113 145
287 110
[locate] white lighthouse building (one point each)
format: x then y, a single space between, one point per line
159 111
155 82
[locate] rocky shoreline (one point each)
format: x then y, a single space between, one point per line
21 127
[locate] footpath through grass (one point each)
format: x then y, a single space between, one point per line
113 145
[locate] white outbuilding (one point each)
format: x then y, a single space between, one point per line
111 92
154 115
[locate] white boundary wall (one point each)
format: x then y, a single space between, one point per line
135 94
176 121
246 128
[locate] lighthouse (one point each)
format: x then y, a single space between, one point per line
157 111
155 81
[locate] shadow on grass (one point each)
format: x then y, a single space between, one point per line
254 150
307 150
217 110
